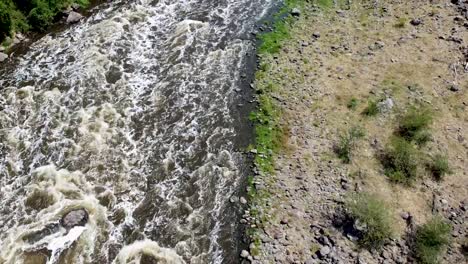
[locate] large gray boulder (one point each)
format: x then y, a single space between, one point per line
74 17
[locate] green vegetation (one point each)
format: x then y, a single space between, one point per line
372 108
401 161
374 215
353 103
271 42
439 167
401 23
431 240
414 126
23 15
347 143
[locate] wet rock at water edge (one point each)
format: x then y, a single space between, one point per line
3 56
74 17
74 218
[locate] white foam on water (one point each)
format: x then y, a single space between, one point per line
131 254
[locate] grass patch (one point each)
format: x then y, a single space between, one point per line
439 167
401 23
272 42
347 143
401 161
373 215
372 108
431 240
414 125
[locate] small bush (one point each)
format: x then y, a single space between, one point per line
372 109
353 103
374 215
431 240
440 167
401 161
347 143
415 124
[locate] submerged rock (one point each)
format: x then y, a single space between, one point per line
74 17
74 218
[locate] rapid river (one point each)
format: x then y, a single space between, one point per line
131 117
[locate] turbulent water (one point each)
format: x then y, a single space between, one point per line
131 115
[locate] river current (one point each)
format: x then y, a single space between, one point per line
131 115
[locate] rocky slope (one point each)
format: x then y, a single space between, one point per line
396 54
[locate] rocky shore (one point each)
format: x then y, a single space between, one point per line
341 61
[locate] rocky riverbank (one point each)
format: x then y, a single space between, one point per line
361 66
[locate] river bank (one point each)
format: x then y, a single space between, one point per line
333 100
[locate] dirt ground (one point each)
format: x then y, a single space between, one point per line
398 54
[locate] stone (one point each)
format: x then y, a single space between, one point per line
74 17
243 200
3 56
405 215
454 88
324 251
386 105
244 254
416 22
74 218
296 12
316 35
234 199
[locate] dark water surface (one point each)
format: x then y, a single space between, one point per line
132 116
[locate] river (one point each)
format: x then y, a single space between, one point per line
134 116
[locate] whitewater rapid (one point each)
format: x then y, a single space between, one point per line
131 115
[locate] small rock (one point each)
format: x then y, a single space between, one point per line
253 151
244 254
386 105
243 200
405 215
416 22
3 56
324 251
316 35
74 218
234 199
74 17
284 221
454 88
296 12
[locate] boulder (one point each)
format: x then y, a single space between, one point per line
3 56
74 218
74 17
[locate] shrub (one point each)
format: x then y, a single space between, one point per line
401 161
5 21
41 16
347 143
439 167
431 240
373 213
372 109
414 125
353 103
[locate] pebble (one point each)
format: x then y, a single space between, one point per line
296 12
243 200
454 88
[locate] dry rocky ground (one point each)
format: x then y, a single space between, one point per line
398 54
